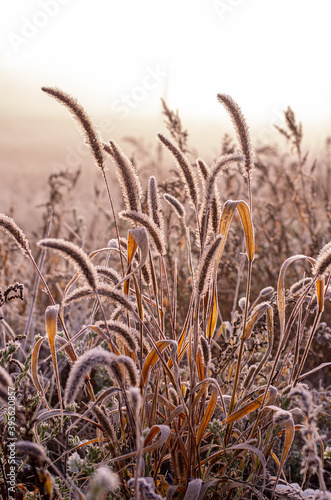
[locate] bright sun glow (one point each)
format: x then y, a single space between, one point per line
123 56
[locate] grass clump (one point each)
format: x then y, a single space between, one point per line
176 355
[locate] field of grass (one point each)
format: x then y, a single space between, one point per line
175 343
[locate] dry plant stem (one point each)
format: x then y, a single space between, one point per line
49 293
155 291
240 270
250 199
241 347
280 349
298 337
35 288
195 341
175 296
308 345
115 220
102 309
192 447
294 313
296 342
169 298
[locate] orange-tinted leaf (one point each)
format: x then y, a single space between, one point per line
281 289
257 312
51 315
34 364
245 216
200 364
212 315
208 414
153 357
289 435
320 294
246 409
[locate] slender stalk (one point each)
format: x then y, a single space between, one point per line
168 293
308 345
35 288
241 347
115 220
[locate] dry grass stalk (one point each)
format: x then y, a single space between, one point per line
83 120
186 171
202 387
93 358
204 270
10 226
176 205
241 128
128 178
323 262
153 230
123 332
154 203
106 292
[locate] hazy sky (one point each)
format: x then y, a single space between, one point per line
120 57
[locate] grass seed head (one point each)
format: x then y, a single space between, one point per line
242 129
103 480
76 256
323 262
104 421
176 205
205 347
205 265
5 378
135 399
94 358
83 120
185 169
145 221
105 291
10 226
126 334
128 178
32 449
154 203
